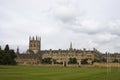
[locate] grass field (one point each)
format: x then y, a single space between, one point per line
57 73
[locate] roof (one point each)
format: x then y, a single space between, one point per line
29 56
59 51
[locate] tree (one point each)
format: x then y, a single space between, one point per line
1 57
72 61
104 60
7 57
96 60
12 57
6 48
115 61
0 48
46 61
84 61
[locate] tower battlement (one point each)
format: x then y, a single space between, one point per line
35 44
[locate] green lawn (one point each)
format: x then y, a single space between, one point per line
57 73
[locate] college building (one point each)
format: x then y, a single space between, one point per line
35 56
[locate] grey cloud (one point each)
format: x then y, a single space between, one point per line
66 13
94 27
58 22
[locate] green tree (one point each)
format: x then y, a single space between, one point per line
6 48
0 48
1 57
7 57
12 57
115 61
46 61
72 61
84 61
104 60
96 60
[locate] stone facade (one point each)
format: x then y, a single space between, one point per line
27 59
34 55
63 56
111 57
35 44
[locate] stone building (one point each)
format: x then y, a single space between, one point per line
34 44
111 57
34 55
63 56
28 59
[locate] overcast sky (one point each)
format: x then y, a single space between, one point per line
86 23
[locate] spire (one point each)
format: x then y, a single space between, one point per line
71 46
17 50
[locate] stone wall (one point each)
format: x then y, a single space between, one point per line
106 64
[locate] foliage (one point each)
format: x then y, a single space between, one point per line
7 57
84 61
104 60
6 48
96 60
0 48
115 61
46 61
72 61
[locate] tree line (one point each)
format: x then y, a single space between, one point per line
7 56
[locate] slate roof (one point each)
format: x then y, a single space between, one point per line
40 53
29 56
57 51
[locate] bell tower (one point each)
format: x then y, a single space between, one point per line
35 44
